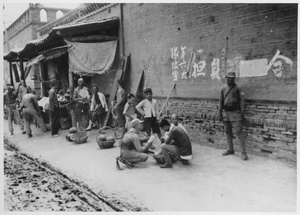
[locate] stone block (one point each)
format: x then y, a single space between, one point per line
273 107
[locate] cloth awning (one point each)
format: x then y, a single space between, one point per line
55 38
49 54
87 59
12 54
34 47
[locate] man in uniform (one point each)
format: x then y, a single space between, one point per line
132 150
232 102
32 111
13 114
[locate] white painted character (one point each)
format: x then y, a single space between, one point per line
215 68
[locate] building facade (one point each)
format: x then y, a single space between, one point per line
195 46
23 30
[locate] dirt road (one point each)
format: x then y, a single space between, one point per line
34 186
212 183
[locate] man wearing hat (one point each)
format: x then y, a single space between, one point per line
232 102
13 114
131 149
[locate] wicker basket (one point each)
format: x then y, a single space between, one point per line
79 137
105 144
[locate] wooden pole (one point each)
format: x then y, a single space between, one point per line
11 74
41 79
22 69
160 112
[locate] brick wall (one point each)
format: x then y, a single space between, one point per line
221 36
246 31
270 128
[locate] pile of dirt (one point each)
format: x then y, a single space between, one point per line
33 187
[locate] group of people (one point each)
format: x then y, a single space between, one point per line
92 107
175 144
22 107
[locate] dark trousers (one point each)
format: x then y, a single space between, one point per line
151 123
54 118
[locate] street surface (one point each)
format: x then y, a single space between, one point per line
32 186
210 183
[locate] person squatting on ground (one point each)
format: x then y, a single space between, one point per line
158 156
81 99
174 122
232 102
178 143
54 111
10 102
98 108
32 111
148 108
119 106
132 150
129 110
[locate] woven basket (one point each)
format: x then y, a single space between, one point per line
79 137
105 144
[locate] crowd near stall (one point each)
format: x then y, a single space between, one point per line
180 73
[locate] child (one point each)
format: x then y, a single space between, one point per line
148 108
129 112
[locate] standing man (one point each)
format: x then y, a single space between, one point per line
232 102
177 143
148 108
119 106
54 109
22 90
98 108
13 114
31 111
81 97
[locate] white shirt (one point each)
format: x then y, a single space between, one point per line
147 108
102 100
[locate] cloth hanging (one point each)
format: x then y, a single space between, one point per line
87 59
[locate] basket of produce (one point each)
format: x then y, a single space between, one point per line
72 131
104 138
79 137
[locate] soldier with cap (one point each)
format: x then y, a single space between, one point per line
232 102
32 111
10 102
132 150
